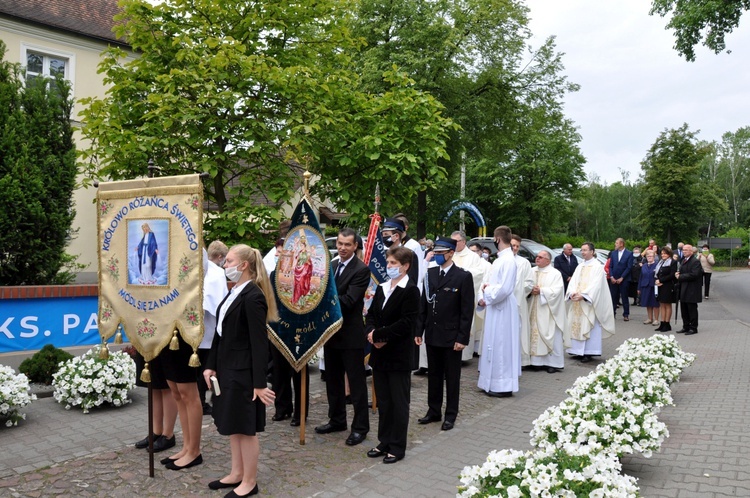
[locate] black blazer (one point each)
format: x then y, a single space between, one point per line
447 319
691 281
351 285
561 264
393 325
665 276
244 340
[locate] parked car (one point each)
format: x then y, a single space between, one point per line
529 248
601 254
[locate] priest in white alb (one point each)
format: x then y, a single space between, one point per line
590 316
500 359
468 260
524 283
547 316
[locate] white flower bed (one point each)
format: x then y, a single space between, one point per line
87 381
609 413
14 395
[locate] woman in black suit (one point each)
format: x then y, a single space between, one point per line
665 281
239 358
390 326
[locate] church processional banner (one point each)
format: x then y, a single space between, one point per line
309 309
150 261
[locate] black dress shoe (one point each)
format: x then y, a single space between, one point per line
355 438
420 371
217 484
551 370
143 443
505 394
428 419
328 428
197 461
447 425
294 422
585 359
232 494
691 332
392 459
163 443
280 416
682 331
375 453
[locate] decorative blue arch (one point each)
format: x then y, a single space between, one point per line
473 211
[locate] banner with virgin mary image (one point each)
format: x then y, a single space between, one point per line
150 261
309 309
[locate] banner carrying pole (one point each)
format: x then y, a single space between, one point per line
303 405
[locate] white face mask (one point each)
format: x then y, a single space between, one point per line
636 254
233 273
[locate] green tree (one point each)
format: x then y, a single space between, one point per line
676 201
37 177
734 171
694 21
252 93
472 56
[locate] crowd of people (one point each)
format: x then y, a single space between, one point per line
443 303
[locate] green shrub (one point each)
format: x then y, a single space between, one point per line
45 362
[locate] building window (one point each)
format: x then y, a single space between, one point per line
50 66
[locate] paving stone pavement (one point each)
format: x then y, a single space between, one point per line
57 452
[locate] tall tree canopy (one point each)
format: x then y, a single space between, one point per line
472 56
251 92
676 201
694 21
37 177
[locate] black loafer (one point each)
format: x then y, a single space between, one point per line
585 359
232 494
163 443
355 438
143 443
375 453
328 428
691 332
392 459
428 419
447 425
197 461
167 460
280 416
551 370
681 331
494 394
217 484
294 422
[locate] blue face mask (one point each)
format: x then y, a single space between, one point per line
393 273
440 259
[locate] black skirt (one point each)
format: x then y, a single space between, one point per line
234 411
667 293
175 363
158 379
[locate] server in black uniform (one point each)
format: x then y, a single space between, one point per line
345 350
446 315
238 359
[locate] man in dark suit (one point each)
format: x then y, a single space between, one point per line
345 350
446 314
690 278
566 264
620 266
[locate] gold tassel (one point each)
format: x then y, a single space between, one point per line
194 362
174 344
145 374
118 337
104 352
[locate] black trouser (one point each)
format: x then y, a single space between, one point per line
689 312
706 283
443 364
282 378
352 363
393 391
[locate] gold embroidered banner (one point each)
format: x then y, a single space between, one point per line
150 261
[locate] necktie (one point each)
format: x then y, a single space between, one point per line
442 274
339 270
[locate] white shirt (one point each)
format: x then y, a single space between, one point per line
224 307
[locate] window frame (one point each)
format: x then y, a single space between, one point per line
46 53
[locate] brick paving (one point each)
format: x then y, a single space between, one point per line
62 453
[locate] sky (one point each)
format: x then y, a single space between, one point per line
634 85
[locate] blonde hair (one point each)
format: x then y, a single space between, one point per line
217 249
258 275
649 251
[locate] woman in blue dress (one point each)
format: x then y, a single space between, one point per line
646 286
